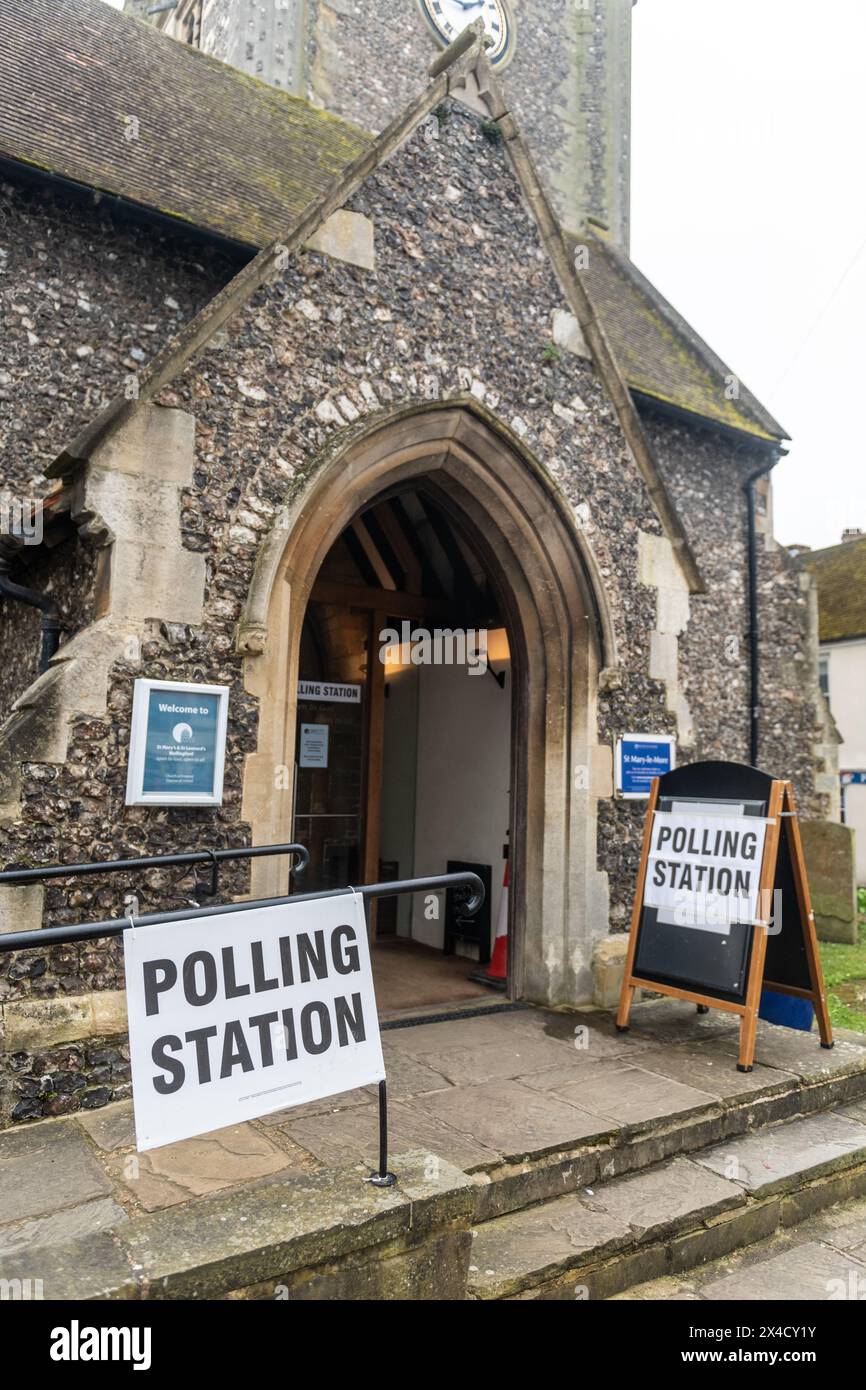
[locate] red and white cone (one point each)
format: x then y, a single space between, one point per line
496 973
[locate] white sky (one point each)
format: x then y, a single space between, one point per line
749 214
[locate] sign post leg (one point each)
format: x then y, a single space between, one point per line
626 998
807 916
382 1178
749 1021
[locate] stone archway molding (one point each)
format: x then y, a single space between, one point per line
563 639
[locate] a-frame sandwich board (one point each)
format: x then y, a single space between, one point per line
776 950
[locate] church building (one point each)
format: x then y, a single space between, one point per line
327 383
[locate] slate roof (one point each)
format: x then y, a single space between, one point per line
213 147
660 355
841 574
234 156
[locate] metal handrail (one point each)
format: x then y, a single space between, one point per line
114 926
88 931
153 861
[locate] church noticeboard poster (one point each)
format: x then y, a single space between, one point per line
242 1013
722 907
177 744
640 758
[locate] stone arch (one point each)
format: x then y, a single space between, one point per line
562 638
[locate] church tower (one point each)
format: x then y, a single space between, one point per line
565 66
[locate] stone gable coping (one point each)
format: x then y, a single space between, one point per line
463 61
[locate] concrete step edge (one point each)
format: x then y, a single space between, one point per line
791 1198
510 1187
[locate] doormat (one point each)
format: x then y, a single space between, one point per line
447 1015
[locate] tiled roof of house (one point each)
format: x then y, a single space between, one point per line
93 95
841 574
660 355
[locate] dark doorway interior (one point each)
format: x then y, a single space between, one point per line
403 764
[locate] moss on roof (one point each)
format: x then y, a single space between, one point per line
840 572
659 354
94 95
225 152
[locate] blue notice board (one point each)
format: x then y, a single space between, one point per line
640 758
177 744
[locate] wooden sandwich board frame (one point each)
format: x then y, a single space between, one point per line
781 814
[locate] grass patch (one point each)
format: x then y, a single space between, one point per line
843 965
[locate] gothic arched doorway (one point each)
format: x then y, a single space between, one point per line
511 536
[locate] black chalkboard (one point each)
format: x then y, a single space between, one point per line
727 969
686 956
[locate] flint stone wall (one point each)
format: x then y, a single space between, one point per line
461 301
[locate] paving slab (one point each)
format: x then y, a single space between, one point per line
801 1053
837 1228
804 1273
528 1246
855 1111
512 1055
624 1092
353 1136
676 1020
593 1029
92 1266
328 1105
710 1069
511 1118
113 1127
46 1167
207 1163
801 1149
663 1198
235 1239
407 1076
843 1227
102 1214
563 1074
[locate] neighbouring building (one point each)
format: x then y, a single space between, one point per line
272 385
840 574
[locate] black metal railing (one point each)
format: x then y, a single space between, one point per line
299 853
114 926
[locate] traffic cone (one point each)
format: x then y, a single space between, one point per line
496 974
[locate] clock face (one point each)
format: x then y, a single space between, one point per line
449 18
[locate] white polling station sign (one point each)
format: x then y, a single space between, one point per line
239 1014
704 870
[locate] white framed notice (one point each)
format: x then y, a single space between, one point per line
239 1014
640 758
177 744
314 745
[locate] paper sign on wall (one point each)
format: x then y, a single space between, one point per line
177 744
336 691
640 758
239 1014
314 745
704 870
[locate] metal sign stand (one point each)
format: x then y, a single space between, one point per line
115 926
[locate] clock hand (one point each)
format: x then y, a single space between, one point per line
468 4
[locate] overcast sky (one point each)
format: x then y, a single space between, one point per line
749 214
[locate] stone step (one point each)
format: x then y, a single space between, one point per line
596 1242
631 1113
821 1260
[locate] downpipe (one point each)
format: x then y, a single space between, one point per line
753 633
45 603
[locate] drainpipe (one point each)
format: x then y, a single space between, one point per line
754 696
51 625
